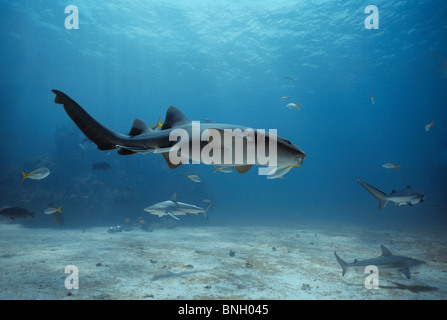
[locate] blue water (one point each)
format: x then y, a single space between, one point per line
226 61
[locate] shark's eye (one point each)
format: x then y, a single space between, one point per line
287 141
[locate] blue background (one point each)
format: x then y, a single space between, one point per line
226 61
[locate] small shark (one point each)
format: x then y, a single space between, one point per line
387 262
174 208
407 196
142 139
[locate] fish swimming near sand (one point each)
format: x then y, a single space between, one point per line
101 166
284 98
37 174
407 196
387 262
16 212
141 139
174 208
52 209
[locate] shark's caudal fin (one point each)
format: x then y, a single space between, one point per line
103 137
207 208
379 195
343 264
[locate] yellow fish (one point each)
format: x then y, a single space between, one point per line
158 125
428 126
223 169
194 178
188 266
142 222
293 105
37 174
372 98
127 220
391 166
52 210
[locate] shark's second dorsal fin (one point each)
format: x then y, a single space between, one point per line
138 127
174 118
174 197
385 252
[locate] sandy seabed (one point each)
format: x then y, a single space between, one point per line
270 263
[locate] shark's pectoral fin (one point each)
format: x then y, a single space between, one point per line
382 204
406 272
170 164
242 169
124 151
172 215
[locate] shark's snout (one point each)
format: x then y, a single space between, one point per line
300 158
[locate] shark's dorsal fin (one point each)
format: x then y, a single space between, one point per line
138 127
174 197
385 252
174 118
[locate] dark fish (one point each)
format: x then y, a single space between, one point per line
101 166
16 212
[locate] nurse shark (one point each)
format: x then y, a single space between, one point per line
142 139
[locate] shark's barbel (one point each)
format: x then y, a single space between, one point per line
143 139
387 262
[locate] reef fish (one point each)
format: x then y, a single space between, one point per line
391 166
37 174
16 212
194 178
428 126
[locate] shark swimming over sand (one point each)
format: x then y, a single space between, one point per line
174 208
407 196
142 139
387 262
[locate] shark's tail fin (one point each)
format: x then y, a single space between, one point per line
103 137
379 195
207 208
343 264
